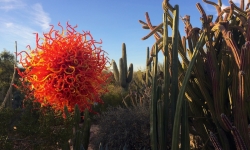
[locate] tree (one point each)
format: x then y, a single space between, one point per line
7 61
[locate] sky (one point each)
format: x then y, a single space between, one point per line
113 21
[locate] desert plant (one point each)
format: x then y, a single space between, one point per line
119 126
81 132
124 75
112 98
212 75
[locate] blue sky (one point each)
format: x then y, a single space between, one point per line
113 21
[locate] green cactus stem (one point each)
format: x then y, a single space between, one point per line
161 127
148 70
77 117
81 134
176 127
174 67
166 82
185 139
153 108
125 76
86 129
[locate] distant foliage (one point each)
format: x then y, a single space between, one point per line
7 61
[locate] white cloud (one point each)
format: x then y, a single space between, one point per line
40 17
211 9
16 32
8 5
8 24
19 21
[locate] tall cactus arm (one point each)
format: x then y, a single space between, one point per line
153 108
174 68
115 71
122 75
175 135
124 57
130 73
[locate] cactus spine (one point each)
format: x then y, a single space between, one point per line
125 76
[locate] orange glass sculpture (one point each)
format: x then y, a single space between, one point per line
65 69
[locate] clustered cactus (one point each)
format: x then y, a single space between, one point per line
211 78
81 133
124 75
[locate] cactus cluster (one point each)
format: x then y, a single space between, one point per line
124 75
209 82
81 132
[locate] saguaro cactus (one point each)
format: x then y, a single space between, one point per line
125 76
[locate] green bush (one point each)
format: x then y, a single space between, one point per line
112 98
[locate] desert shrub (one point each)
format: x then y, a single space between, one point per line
119 126
113 98
118 97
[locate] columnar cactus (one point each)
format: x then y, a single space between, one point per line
212 75
81 134
148 75
125 76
